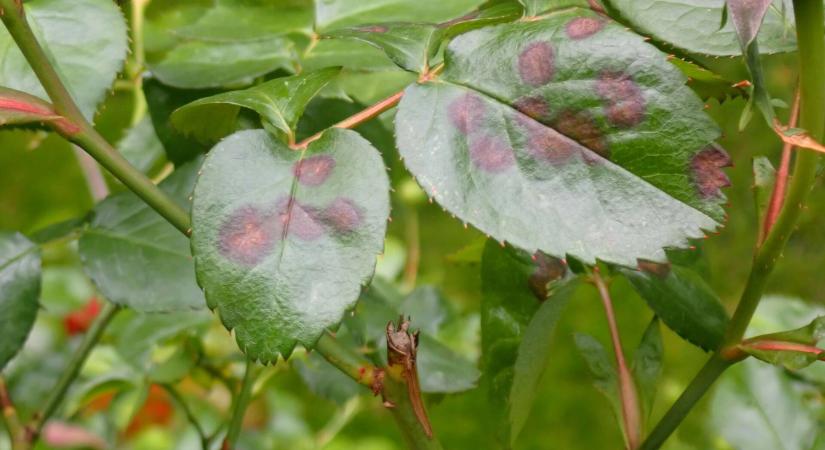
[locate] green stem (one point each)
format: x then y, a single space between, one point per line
73 368
811 38
395 392
240 404
190 416
83 133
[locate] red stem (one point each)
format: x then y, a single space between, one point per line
627 389
783 346
358 118
781 183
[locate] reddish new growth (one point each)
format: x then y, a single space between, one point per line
342 215
548 269
78 321
536 64
533 106
625 106
491 153
466 113
583 27
580 126
545 144
706 168
314 170
62 124
246 237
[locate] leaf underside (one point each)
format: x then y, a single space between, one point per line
284 240
567 135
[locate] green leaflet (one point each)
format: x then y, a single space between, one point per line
19 292
522 301
161 102
683 301
540 134
693 25
647 366
331 14
136 258
280 102
283 240
68 31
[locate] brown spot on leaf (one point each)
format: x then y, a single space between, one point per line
458 20
314 170
583 27
580 126
533 106
466 113
706 168
625 104
247 236
491 154
660 270
536 64
548 269
342 214
546 144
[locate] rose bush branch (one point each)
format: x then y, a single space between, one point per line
811 41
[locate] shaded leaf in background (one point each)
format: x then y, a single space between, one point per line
142 147
19 292
136 258
809 335
522 301
693 25
764 178
86 40
325 380
522 139
331 14
441 369
280 102
535 7
605 378
684 302
707 84
162 101
240 20
283 240
647 365
758 407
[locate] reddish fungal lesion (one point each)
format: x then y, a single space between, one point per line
491 153
247 236
536 64
547 145
313 171
342 215
660 270
373 29
535 107
295 219
581 127
547 270
466 113
583 27
706 169
625 103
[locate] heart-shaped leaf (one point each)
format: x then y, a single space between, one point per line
136 258
523 299
693 25
541 134
280 102
683 301
19 292
86 40
283 240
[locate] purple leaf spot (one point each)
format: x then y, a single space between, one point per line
533 106
342 214
246 236
625 106
466 113
373 29
583 27
546 144
706 167
298 220
580 126
547 269
314 170
536 64
491 154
